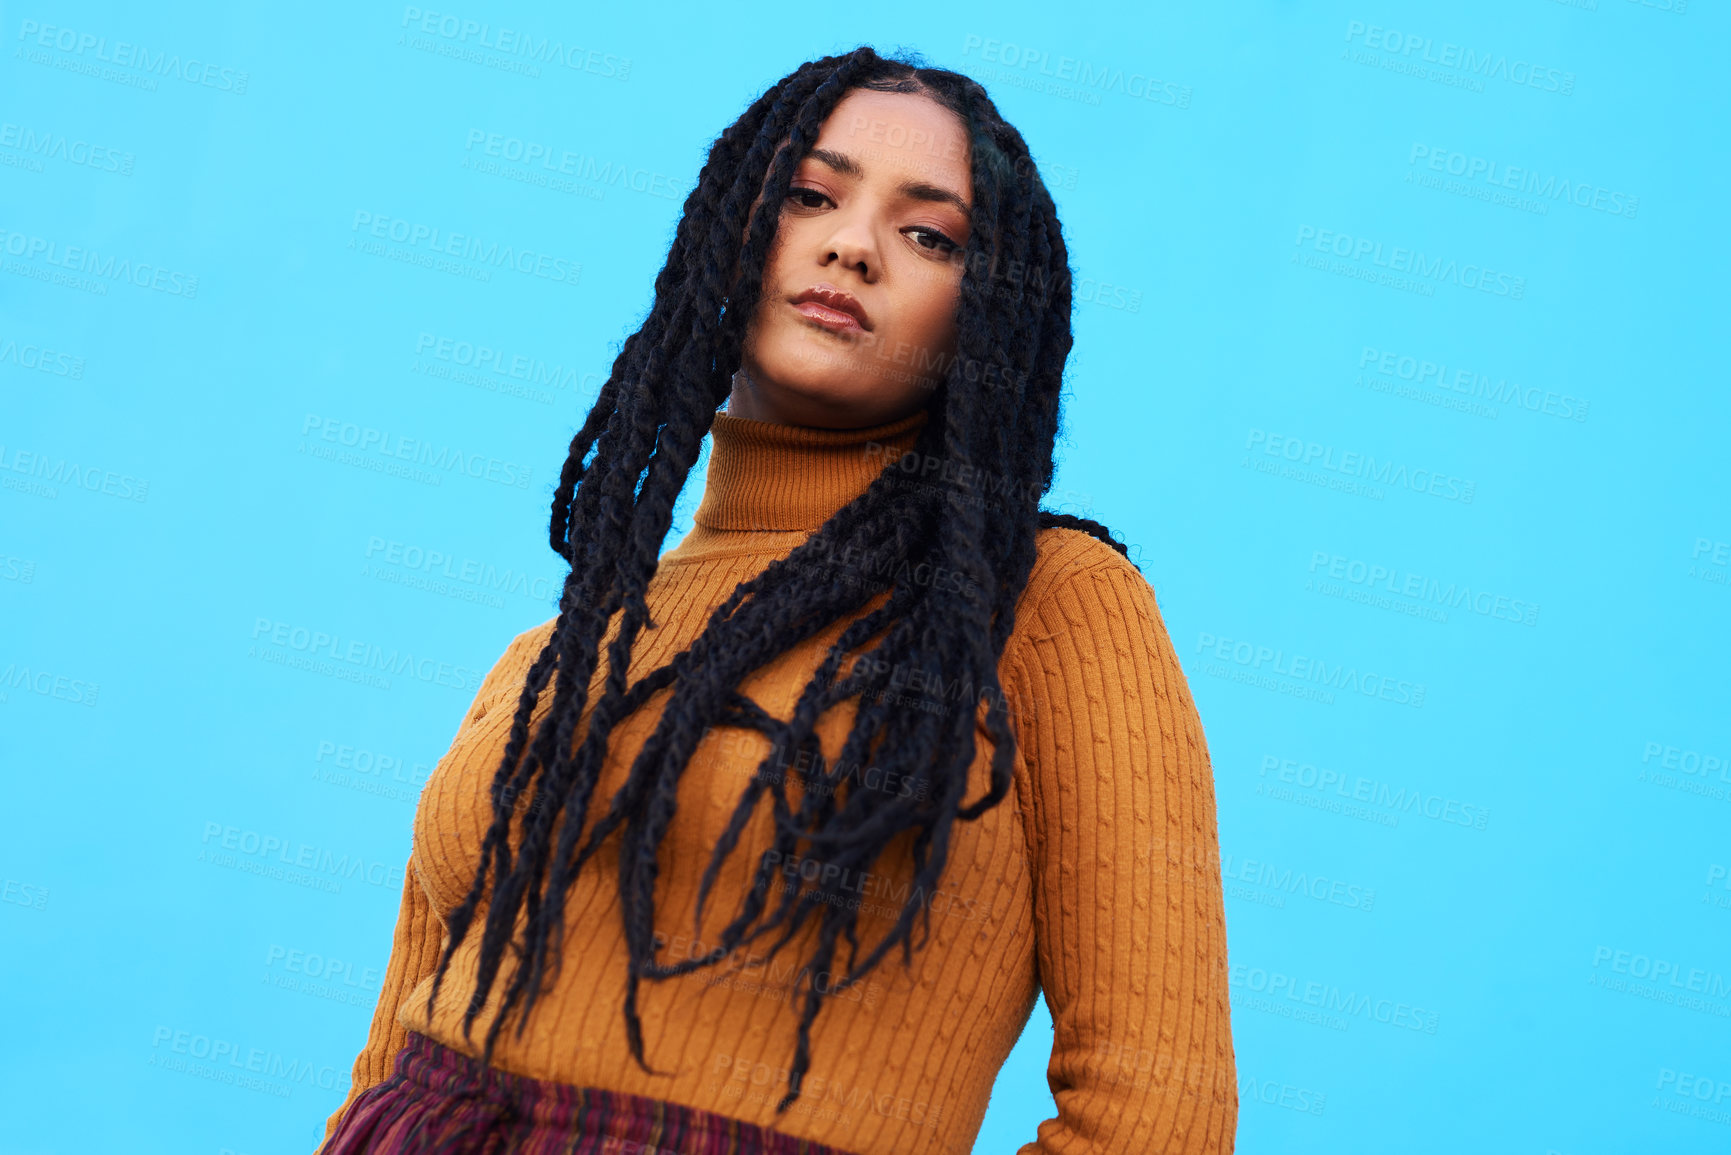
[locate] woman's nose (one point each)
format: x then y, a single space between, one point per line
851 246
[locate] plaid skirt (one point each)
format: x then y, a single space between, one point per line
442 1102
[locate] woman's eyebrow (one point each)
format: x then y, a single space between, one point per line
913 189
920 191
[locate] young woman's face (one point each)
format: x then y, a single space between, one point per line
857 321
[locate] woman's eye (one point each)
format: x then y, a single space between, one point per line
806 198
933 240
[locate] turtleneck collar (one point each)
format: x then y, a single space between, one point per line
766 478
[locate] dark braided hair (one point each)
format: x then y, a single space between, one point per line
611 512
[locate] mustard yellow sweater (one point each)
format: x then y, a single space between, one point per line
1096 881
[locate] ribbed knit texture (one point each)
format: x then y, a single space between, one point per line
1096 881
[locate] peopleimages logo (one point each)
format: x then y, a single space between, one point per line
515 42
467 571
1330 999
1422 371
42 359
1695 1086
1413 49
1411 262
1089 78
1708 559
1688 761
468 247
67 472
1389 800
23 894
230 1059
105 268
17 569
577 165
1347 463
76 44
314 965
369 443
359 656
361 760
1265 874
1474 171
1304 670
1670 972
259 847
1373 577
47 145
1278 1094
505 363
48 684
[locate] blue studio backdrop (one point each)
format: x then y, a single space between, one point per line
1399 360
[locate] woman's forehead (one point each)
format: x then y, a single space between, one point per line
911 122
898 132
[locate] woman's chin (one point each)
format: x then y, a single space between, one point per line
841 403
825 381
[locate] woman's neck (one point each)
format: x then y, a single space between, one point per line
767 478
755 398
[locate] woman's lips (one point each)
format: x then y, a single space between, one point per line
834 320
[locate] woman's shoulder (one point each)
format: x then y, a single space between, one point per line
513 664
525 646
1064 556
1080 585
535 636
1088 626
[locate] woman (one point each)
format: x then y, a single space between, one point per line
874 687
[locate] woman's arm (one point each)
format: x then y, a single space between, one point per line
419 936
1118 807
414 954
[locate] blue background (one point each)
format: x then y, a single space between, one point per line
1532 848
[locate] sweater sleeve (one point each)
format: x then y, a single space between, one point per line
415 950
419 937
1117 802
